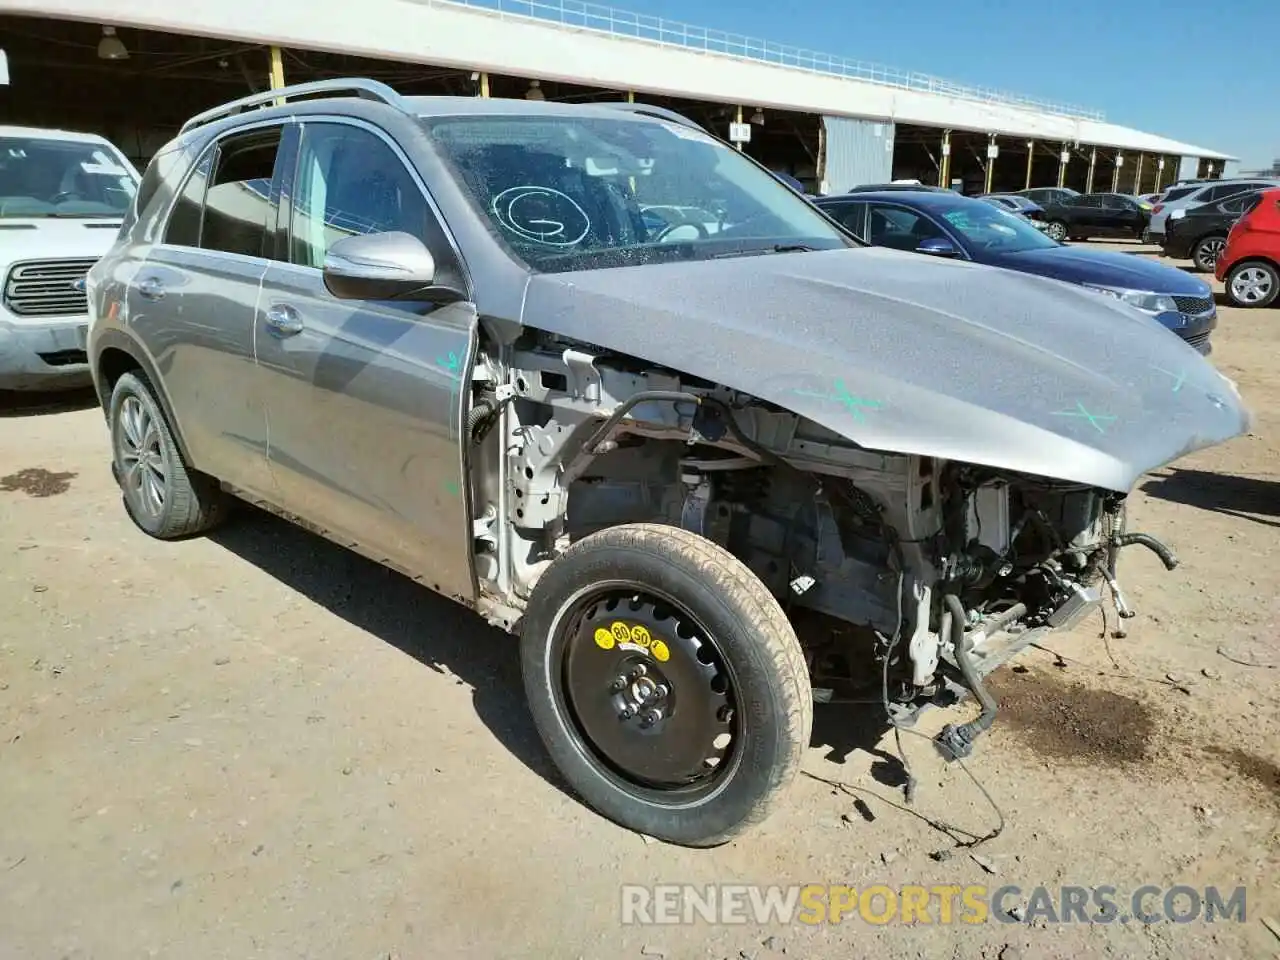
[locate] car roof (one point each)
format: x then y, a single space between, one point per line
44 133
925 199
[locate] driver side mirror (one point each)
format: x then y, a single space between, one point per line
378 266
938 247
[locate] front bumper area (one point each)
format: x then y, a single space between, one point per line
44 354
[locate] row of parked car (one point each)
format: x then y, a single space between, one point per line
1227 227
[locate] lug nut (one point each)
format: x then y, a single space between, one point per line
619 683
627 713
639 671
650 718
661 691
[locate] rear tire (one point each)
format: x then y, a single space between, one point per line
1057 230
163 496
725 661
1206 252
1254 283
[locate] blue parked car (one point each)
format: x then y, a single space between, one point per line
949 225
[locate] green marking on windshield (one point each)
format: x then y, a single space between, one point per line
1096 419
450 363
452 488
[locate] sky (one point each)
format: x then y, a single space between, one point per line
1205 75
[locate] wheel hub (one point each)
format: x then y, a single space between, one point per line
648 691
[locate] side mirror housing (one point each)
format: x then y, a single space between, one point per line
938 247
378 266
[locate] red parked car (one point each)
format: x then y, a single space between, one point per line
1249 265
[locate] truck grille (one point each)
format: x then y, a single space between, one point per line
1194 305
47 288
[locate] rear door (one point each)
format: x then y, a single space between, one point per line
194 298
365 399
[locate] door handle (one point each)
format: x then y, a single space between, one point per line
151 289
283 320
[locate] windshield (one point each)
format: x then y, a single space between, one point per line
578 193
985 227
62 178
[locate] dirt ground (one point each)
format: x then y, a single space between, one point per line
256 745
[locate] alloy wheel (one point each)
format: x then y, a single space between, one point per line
142 468
1208 251
1251 285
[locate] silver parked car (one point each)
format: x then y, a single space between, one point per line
700 473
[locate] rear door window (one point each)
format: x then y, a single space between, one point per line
237 203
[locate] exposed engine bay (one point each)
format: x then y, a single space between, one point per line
907 578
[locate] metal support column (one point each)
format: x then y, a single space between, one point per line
1115 171
944 169
738 144
1137 176
631 96
1031 152
992 150
484 84
1093 162
1063 159
277 71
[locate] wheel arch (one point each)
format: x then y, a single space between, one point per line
115 354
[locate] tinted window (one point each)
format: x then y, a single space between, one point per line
1093 201
899 228
1113 202
349 181
989 228
184 220
1177 193
1240 204
237 203
853 216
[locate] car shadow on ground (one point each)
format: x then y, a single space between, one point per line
20 403
437 632
451 640
843 728
1248 498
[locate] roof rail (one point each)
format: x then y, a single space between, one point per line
360 87
661 113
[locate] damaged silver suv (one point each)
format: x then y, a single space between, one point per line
594 373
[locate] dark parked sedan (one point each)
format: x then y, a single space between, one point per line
949 225
1096 215
1202 234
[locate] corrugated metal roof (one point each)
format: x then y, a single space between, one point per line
628 55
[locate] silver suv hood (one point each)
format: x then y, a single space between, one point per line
907 354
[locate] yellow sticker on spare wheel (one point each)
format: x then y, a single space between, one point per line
604 639
640 636
659 651
621 632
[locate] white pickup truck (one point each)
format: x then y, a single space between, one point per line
63 197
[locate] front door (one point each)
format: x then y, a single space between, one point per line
365 400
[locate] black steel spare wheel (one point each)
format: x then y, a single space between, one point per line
666 682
